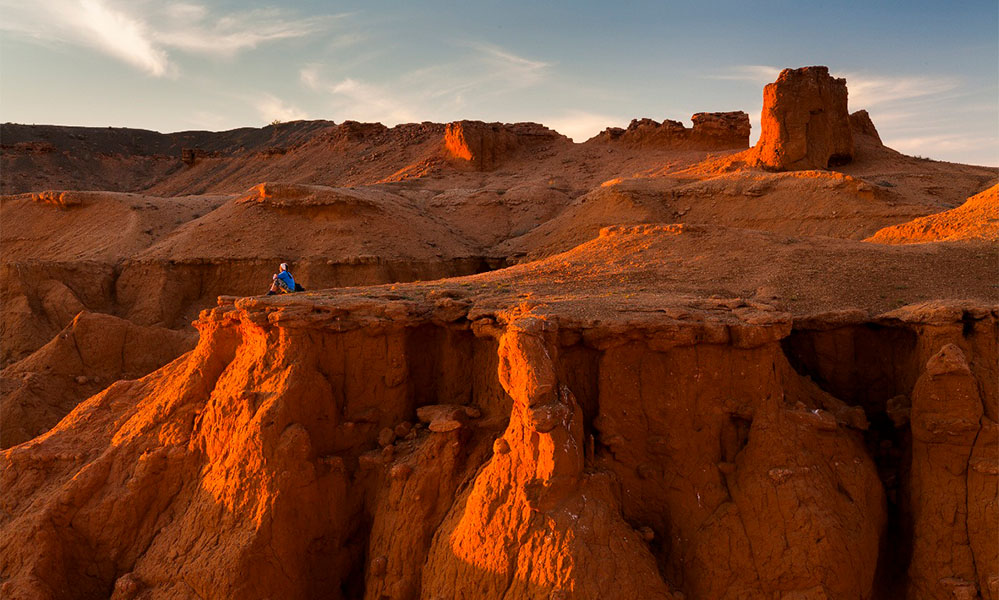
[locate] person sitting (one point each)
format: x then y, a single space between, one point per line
284 283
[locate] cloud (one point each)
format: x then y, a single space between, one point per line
433 92
272 108
870 91
143 34
759 74
367 102
230 34
121 36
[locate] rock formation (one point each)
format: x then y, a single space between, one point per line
711 131
92 352
954 550
635 367
565 445
484 146
861 124
805 123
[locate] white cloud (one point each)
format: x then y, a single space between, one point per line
121 36
870 91
433 92
367 102
233 33
309 75
759 74
272 108
142 33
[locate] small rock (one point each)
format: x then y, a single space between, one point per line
386 437
126 587
403 429
647 533
501 446
779 475
388 452
81 379
444 425
400 471
442 417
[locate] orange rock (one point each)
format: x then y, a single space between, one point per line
946 420
484 146
711 131
805 123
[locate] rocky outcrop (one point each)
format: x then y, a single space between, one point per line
862 125
805 123
534 524
926 377
513 434
92 352
484 146
711 131
952 497
261 450
721 130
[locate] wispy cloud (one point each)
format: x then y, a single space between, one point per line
143 34
121 36
271 108
433 92
758 74
867 91
370 102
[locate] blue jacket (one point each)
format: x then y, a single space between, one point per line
287 279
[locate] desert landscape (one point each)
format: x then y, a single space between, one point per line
658 364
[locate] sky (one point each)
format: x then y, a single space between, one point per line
928 72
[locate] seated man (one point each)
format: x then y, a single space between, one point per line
283 282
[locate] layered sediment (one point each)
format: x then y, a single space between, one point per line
645 366
494 435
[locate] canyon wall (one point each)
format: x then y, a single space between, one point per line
424 447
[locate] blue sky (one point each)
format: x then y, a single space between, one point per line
928 72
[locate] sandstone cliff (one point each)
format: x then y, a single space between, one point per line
644 366
511 434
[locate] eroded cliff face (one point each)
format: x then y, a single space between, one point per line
429 446
646 366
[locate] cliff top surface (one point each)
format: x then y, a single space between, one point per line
675 272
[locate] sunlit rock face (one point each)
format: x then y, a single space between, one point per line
805 122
